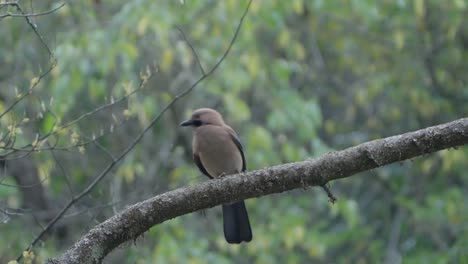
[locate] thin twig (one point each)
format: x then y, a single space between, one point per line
32 185
331 197
32 25
31 88
54 129
32 14
195 54
62 169
103 149
142 84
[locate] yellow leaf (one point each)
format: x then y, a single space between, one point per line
28 257
64 11
127 173
252 64
56 70
232 4
142 25
395 113
34 81
299 51
298 232
36 140
128 87
255 7
330 126
127 113
59 130
237 107
283 38
317 251
419 8
216 31
166 97
81 149
75 137
167 59
426 166
298 6
399 38
44 170
461 4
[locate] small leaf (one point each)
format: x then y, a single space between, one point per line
75 137
81 149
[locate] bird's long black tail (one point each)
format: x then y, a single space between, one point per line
236 223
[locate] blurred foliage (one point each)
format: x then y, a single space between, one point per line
303 78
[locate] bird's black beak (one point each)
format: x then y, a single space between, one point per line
188 123
192 122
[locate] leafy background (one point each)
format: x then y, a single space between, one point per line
302 79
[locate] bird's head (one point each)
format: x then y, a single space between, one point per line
204 116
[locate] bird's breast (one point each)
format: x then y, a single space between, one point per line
218 153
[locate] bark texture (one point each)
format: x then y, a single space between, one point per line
137 219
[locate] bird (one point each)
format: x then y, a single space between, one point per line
217 152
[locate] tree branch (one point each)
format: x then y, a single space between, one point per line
137 219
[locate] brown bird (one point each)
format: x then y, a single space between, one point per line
217 152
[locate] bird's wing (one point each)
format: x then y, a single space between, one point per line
236 141
197 161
